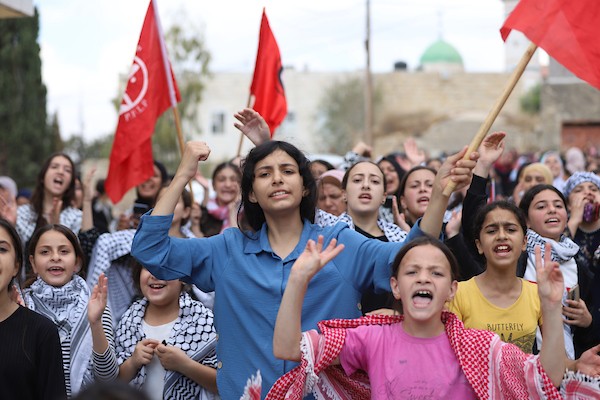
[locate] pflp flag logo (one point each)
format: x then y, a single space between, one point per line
137 87
151 89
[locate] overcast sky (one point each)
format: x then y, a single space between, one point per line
86 45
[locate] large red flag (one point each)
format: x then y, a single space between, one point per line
150 91
567 29
267 87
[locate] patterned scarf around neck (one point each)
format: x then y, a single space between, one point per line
66 306
493 368
193 332
562 251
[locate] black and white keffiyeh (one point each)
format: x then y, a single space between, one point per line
27 220
562 251
66 306
391 231
193 332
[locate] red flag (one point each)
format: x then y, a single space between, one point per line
148 94
567 30
267 87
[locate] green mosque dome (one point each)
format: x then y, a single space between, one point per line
441 52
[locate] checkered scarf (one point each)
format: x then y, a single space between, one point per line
193 332
493 368
562 251
66 306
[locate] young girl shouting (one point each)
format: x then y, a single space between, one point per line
426 351
83 320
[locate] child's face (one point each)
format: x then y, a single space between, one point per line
417 193
8 265
424 283
227 186
158 292
58 176
501 239
54 259
547 215
364 189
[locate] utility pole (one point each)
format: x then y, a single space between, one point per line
368 136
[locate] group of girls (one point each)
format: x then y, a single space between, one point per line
80 346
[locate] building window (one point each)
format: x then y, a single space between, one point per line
218 123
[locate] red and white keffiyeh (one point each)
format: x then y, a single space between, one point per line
495 370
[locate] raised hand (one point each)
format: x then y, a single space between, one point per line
490 150
98 300
454 224
455 169
194 152
550 280
8 208
399 217
414 155
314 257
253 126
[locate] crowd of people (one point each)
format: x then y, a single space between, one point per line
359 280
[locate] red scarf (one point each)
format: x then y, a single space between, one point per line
493 368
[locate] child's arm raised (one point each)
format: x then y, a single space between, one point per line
194 152
550 289
288 333
96 307
454 169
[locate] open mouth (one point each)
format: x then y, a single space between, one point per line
422 298
423 200
56 270
157 286
552 221
365 196
502 248
279 193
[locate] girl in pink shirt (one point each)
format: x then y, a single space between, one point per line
426 352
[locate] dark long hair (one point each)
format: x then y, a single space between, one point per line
16 244
527 198
253 212
37 198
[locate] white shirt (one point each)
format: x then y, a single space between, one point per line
155 372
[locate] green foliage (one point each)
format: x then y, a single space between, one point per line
530 101
25 137
342 114
190 59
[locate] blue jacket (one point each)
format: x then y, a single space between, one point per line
249 281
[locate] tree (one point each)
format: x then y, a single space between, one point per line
25 137
342 115
189 59
530 101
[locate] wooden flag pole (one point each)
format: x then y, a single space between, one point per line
239 150
487 124
180 141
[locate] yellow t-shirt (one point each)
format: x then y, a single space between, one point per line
516 324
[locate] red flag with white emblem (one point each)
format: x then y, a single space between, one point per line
151 90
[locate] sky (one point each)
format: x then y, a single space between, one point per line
85 46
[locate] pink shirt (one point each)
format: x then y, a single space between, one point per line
401 366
